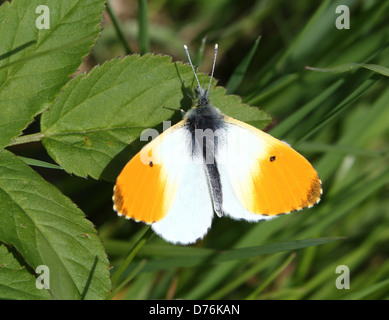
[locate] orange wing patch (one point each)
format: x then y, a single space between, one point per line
281 182
143 190
140 191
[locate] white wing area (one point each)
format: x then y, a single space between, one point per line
236 156
191 212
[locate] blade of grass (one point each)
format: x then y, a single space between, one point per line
338 148
336 208
345 200
354 136
254 295
325 277
118 29
353 66
293 120
257 266
274 87
131 255
361 294
311 37
200 53
240 71
144 41
131 276
234 254
346 103
216 276
39 163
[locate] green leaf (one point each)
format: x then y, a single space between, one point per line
26 87
16 282
92 129
46 228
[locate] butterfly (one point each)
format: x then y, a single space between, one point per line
210 163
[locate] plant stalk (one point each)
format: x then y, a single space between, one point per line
26 139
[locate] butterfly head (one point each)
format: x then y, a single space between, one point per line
201 97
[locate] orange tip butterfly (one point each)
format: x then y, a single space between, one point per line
210 163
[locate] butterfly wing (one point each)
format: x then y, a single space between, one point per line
166 186
261 176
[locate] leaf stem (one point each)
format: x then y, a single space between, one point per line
131 255
26 139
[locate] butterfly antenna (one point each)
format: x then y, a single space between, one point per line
191 64
213 67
